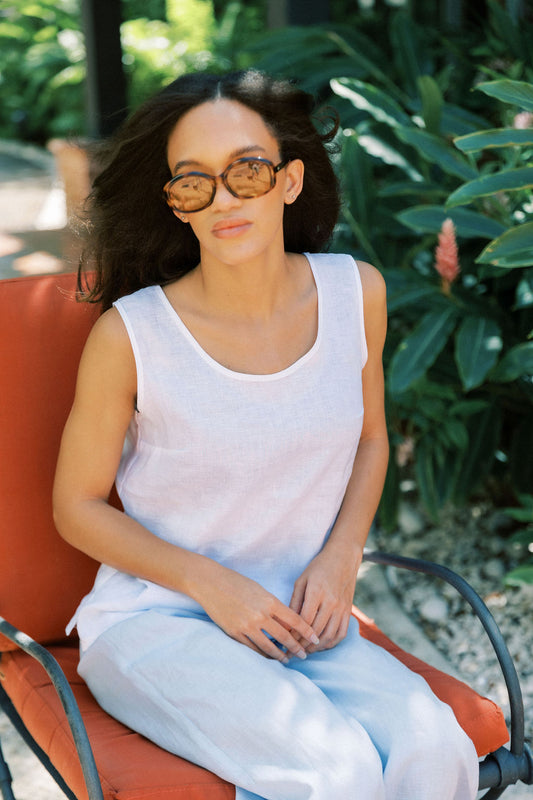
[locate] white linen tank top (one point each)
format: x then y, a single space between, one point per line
249 470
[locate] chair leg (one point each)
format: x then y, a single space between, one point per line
5 779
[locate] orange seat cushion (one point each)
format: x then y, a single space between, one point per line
132 768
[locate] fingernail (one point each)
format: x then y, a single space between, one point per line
302 654
315 639
285 660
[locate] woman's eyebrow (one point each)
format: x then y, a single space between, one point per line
241 151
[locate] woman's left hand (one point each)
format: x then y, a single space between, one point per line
323 596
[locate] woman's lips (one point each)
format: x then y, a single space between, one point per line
228 228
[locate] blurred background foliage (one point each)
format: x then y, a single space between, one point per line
436 115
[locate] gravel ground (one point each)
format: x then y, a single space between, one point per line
476 543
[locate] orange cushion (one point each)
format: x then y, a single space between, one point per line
42 332
479 717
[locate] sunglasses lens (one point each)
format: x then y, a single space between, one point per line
191 192
250 178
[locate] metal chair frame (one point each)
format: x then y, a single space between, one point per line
497 771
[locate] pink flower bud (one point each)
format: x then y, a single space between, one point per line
446 255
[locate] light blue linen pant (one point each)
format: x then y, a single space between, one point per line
351 723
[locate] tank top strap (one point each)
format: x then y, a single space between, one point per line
341 304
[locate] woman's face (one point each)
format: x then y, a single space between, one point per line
209 138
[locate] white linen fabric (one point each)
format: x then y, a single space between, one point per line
251 471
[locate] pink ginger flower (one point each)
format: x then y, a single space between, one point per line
446 255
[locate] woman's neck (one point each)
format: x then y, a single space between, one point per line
255 289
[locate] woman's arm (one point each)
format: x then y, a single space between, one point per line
323 594
89 456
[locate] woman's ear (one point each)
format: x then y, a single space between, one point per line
179 215
294 180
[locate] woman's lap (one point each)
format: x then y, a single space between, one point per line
346 713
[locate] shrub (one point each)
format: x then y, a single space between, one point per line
418 146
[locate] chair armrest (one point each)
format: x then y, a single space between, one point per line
513 764
68 701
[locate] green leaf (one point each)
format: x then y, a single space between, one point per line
457 121
505 181
521 515
432 103
390 497
420 349
524 291
469 224
407 289
518 93
382 150
520 460
356 171
514 248
371 99
520 576
477 344
484 433
437 151
496 137
407 49
516 362
408 188
426 478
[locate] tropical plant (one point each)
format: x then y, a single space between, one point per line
414 152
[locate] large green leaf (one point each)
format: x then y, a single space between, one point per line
432 103
505 181
469 224
437 151
478 342
369 98
516 362
495 137
420 349
514 248
518 93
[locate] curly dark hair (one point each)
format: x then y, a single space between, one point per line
133 240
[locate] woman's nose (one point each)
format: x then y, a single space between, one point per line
223 197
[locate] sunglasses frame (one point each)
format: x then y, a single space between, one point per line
274 169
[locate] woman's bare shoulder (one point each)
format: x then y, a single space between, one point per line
108 353
372 280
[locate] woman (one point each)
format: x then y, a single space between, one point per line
224 391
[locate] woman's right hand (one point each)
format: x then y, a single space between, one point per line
251 615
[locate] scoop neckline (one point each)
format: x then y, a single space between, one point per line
250 376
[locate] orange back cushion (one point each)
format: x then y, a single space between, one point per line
42 333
